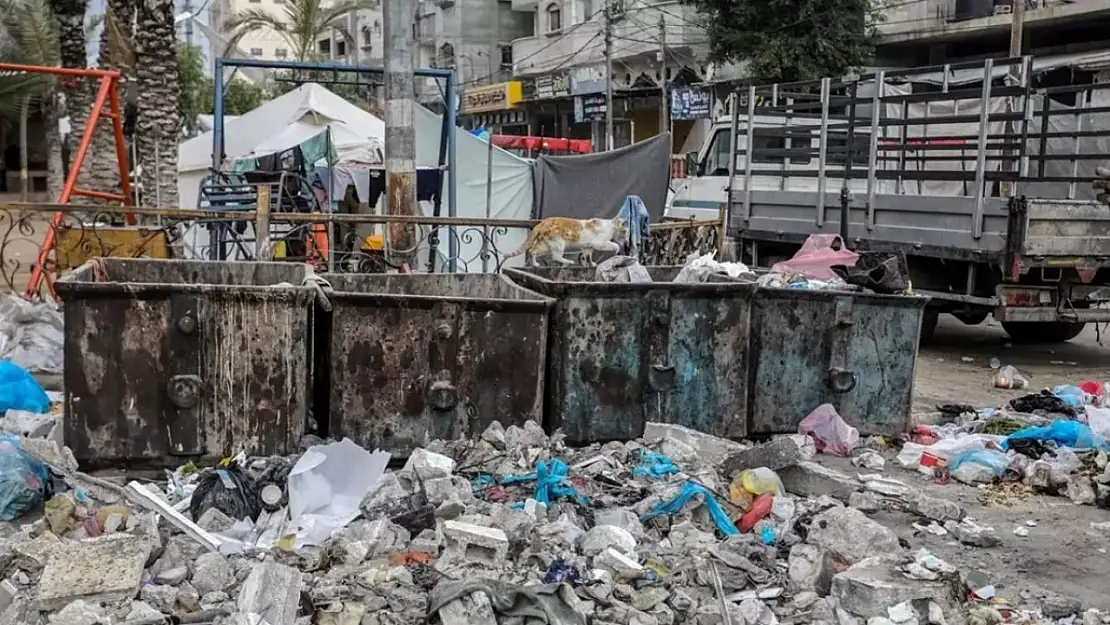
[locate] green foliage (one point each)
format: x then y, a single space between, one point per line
301 23
791 40
27 36
359 95
198 90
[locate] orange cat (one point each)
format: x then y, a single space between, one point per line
556 235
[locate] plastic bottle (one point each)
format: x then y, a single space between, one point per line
761 480
761 507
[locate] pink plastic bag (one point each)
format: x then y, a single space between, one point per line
831 433
817 256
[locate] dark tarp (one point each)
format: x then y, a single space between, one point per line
595 185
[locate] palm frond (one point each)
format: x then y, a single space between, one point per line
121 44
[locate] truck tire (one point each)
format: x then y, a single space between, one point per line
929 319
972 317
1042 331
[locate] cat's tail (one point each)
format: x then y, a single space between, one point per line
528 240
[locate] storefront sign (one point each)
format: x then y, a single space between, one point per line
553 86
499 97
589 108
689 103
587 80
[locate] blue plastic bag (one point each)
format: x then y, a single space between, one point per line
550 482
688 492
1063 432
20 391
1071 395
996 461
22 479
654 465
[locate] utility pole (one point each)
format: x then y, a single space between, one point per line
1017 26
399 18
189 23
609 139
664 104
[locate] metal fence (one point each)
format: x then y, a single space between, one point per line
337 243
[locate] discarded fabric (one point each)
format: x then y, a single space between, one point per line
654 465
23 479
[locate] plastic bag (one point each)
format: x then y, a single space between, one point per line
952 449
817 256
20 391
1098 419
698 268
1009 377
910 455
994 460
1071 395
831 434
1063 432
228 489
31 334
23 479
760 480
654 465
688 492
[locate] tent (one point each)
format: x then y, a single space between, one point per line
288 120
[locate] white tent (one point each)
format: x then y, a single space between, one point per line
310 109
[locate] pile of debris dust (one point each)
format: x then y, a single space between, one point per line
511 528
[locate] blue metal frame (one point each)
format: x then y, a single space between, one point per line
447 134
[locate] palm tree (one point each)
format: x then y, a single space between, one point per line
29 36
300 22
158 125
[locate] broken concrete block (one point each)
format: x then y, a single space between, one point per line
172 576
809 479
869 588
79 613
100 569
495 435
473 609
33 555
865 502
212 572
849 535
161 598
428 465
142 611
777 454
810 569
487 545
621 565
935 508
273 591
214 520
1080 490
710 449
28 424
602 537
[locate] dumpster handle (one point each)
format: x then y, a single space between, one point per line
841 380
322 287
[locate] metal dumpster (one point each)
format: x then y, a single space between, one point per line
854 351
418 357
168 361
623 354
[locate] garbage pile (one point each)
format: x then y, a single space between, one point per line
507 528
1053 441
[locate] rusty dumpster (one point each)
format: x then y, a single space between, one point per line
419 357
852 350
168 361
623 354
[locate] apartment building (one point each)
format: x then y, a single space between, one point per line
930 32
561 68
266 45
365 27
473 37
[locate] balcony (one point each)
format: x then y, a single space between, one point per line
584 44
935 21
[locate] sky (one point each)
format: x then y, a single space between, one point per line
96 7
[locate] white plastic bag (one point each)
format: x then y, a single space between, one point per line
910 456
1099 421
327 485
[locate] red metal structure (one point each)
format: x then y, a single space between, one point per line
542 144
107 92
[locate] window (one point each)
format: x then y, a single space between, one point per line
341 48
506 56
281 53
256 51
716 161
324 46
769 145
446 56
554 18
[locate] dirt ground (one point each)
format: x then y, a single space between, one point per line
1063 552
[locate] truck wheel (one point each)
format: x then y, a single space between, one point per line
929 320
972 317
1042 331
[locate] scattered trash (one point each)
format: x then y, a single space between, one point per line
23 479
1008 377
818 254
20 391
699 268
829 431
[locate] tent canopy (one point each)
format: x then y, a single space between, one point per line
306 111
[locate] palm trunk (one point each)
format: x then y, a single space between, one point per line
158 128
24 111
52 110
69 15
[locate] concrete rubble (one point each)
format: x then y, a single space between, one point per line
497 530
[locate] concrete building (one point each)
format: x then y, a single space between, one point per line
365 26
562 66
473 37
929 32
267 45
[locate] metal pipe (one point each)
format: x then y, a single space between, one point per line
748 154
218 115
339 67
873 148
453 166
822 150
845 191
981 160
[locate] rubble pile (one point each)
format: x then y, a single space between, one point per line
508 528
